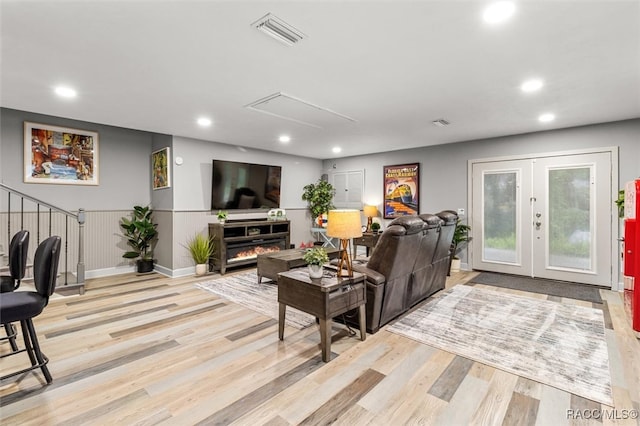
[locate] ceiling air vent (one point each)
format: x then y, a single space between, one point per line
278 29
440 122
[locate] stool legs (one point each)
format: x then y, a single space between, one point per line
11 336
32 348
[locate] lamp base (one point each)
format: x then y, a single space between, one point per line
344 262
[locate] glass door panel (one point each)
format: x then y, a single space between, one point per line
499 217
570 218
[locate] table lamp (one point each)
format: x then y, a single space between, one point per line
344 224
369 212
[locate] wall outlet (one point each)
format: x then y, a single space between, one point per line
460 212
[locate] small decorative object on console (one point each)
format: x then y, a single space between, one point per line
276 214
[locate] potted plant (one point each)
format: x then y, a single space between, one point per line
315 258
620 203
375 227
222 216
319 198
201 249
140 232
460 238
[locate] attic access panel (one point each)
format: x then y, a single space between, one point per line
294 109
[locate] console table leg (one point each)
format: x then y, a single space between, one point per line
325 338
281 314
363 322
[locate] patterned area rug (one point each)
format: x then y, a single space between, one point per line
243 289
559 345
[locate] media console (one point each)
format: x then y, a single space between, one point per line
240 242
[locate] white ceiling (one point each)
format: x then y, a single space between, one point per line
392 66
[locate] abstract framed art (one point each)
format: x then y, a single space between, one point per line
60 155
160 176
401 190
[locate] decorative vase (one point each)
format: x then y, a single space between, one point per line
315 271
201 268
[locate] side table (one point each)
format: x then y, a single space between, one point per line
368 239
325 298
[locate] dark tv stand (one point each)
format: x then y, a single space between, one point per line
238 243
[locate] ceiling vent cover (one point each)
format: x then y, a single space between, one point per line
440 122
278 29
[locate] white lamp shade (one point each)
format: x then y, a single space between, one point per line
344 224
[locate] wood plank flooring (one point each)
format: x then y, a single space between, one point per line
147 349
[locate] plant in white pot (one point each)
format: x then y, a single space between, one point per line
222 216
201 249
460 239
315 258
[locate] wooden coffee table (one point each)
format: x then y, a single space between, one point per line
325 298
270 264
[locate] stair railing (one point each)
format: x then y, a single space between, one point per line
44 212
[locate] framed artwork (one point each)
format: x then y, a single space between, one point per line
160 177
60 155
401 190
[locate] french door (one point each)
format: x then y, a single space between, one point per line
547 217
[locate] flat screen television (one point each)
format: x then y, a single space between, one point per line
243 186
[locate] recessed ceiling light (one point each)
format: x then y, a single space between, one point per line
284 139
65 92
204 121
498 12
336 150
547 117
532 85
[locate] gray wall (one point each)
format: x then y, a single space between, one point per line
443 168
125 166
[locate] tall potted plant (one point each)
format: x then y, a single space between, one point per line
460 238
140 232
319 197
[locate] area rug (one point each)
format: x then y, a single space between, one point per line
559 345
566 289
243 289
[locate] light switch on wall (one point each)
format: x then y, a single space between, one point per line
460 212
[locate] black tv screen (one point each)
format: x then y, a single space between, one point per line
242 186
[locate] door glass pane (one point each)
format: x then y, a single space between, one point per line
569 241
499 239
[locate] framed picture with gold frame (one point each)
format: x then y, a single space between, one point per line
401 190
60 155
160 176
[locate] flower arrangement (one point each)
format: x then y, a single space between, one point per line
316 256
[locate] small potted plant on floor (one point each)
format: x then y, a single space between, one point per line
315 258
201 249
222 216
140 232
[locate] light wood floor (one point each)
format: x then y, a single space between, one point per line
153 350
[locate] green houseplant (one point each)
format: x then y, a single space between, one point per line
222 216
620 203
460 239
375 227
201 249
319 198
315 258
140 232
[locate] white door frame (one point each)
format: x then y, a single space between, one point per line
616 285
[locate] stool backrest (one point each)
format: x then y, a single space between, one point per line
18 248
45 266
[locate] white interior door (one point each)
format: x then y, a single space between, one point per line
547 217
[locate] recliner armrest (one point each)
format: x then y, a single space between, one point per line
372 276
